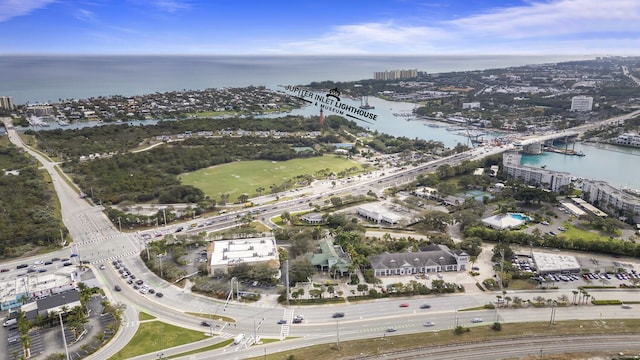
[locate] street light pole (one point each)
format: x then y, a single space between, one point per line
64 339
338 333
119 224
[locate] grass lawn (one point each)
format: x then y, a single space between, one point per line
573 232
389 344
245 177
154 336
144 316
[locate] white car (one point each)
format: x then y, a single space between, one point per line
39 262
476 320
429 323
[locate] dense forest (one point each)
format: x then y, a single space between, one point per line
27 205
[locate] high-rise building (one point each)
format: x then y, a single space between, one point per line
6 102
581 103
395 74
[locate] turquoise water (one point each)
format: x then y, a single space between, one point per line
520 216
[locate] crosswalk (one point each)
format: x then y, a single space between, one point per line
114 257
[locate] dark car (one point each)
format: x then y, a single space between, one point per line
151 291
55 259
139 282
136 287
425 306
390 329
338 315
117 288
129 281
282 321
132 276
22 266
206 323
65 259
4 270
67 264
179 229
159 294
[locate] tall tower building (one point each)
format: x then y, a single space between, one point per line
6 102
581 103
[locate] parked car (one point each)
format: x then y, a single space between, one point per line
159 294
139 281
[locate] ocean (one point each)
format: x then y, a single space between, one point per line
33 79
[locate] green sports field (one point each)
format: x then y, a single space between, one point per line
245 177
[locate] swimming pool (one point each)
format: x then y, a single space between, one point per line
519 216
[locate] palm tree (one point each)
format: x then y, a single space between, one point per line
575 296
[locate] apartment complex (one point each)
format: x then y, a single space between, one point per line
395 74
581 103
548 179
6 103
611 199
606 197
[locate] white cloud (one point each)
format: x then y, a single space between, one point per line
172 6
85 15
553 26
368 38
12 8
554 19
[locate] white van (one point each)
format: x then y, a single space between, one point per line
10 322
238 339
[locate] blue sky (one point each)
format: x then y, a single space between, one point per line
320 27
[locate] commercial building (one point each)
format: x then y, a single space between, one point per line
581 103
548 179
432 258
626 139
229 253
6 103
378 214
328 256
14 292
555 263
